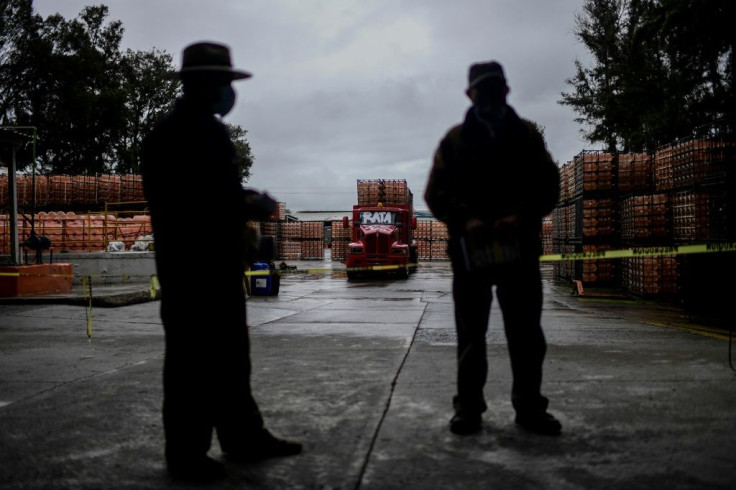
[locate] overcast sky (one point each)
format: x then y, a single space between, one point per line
360 89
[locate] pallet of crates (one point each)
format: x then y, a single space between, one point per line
596 220
440 241
368 192
567 181
4 189
423 235
131 188
594 223
646 214
4 235
279 214
312 240
705 215
547 234
340 240
60 190
84 190
594 171
648 276
646 223
50 226
634 173
291 247
663 176
109 188
74 229
645 218
30 189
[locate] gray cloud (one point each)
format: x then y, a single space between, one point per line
363 89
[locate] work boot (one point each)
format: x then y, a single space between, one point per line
264 446
199 470
540 423
465 423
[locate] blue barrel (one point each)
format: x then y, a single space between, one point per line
264 284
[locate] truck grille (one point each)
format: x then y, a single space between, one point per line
378 243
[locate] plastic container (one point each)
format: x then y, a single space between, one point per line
264 284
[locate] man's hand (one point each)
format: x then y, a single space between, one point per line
506 229
473 224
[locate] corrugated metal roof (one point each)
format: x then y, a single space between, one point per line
321 215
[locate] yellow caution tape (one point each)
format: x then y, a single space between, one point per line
642 252
155 286
87 288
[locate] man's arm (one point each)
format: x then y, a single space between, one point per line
442 193
545 182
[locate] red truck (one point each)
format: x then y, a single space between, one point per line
383 227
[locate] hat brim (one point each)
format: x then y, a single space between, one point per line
486 76
234 74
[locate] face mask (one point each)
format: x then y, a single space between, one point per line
490 111
225 101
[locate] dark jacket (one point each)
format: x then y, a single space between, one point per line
477 175
197 203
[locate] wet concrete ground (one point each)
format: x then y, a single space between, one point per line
362 372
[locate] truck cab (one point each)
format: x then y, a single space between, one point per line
382 240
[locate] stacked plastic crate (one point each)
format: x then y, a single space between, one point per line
432 240
547 235
109 189
593 215
703 211
312 240
646 222
386 191
563 222
60 191
290 247
340 240
131 188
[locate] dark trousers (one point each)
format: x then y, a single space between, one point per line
207 371
519 290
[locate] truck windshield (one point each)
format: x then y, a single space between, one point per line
377 218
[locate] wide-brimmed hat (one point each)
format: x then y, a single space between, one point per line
208 57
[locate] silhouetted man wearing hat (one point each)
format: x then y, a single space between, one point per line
192 186
492 182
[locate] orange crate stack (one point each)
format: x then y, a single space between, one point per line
635 172
290 248
650 275
109 188
312 239
340 240
598 217
131 188
84 190
593 172
370 192
645 217
663 168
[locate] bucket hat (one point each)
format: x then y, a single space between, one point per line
208 57
480 72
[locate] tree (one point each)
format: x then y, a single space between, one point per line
243 156
91 102
148 94
660 68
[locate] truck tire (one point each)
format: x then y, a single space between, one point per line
403 272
